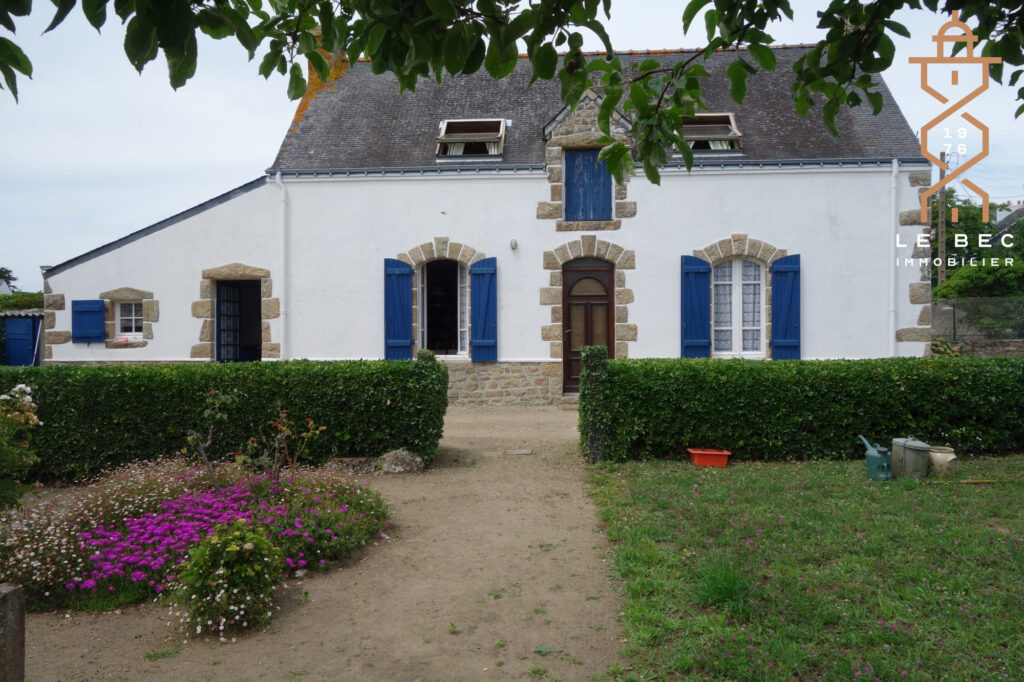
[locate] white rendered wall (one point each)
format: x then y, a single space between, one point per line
169 263
341 230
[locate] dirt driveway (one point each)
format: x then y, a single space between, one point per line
498 571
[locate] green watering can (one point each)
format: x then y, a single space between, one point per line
879 461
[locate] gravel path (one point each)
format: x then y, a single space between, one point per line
498 570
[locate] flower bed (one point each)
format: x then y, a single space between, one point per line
122 538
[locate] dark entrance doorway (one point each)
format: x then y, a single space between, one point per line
587 318
239 332
441 297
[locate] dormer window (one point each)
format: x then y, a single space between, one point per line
464 137
712 132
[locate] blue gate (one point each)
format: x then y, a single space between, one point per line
20 338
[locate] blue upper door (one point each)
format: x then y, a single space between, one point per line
20 340
587 186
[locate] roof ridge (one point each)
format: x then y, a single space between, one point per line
667 50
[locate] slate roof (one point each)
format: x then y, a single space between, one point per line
361 121
1010 222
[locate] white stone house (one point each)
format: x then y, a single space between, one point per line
473 218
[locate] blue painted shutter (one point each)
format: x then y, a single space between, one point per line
397 310
786 308
696 304
87 321
587 186
483 285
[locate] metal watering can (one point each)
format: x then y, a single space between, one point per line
879 461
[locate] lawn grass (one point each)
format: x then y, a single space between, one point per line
809 570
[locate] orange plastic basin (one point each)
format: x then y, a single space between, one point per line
703 457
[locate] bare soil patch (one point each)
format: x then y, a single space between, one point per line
497 558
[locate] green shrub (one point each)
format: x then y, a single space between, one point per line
228 582
98 418
809 409
17 419
21 300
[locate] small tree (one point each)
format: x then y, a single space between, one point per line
215 412
283 446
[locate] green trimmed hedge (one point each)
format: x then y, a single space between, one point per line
800 409
100 417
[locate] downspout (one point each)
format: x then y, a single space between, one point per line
285 288
893 234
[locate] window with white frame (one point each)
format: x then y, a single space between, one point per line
737 309
712 132
465 137
129 318
443 307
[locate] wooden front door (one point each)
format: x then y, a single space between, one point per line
587 314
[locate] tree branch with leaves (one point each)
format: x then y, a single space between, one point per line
427 39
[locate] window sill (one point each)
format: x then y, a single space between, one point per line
491 158
130 343
587 225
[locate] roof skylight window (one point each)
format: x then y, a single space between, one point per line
712 132
476 137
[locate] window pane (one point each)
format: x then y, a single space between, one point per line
126 326
577 326
751 339
126 309
751 271
723 272
723 339
138 309
599 315
138 326
723 305
752 305
463 290
587 286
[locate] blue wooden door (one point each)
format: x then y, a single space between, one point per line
20 340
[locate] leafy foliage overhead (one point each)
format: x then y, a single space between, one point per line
430 38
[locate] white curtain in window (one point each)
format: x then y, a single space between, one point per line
719 144
494 148
456 148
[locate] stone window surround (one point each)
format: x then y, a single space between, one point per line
204 308
578 129
739 245
441 248
53 302
588 246
150 314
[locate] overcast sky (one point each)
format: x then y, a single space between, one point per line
94 151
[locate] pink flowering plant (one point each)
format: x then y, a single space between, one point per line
126 536
17 419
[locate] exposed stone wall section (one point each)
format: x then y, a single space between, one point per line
993 348
920 292
441 248
504 383
51 303
739 245
588 246
578 129
205 306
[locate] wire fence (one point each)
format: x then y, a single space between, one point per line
978 319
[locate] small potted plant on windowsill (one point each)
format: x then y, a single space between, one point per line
706 457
